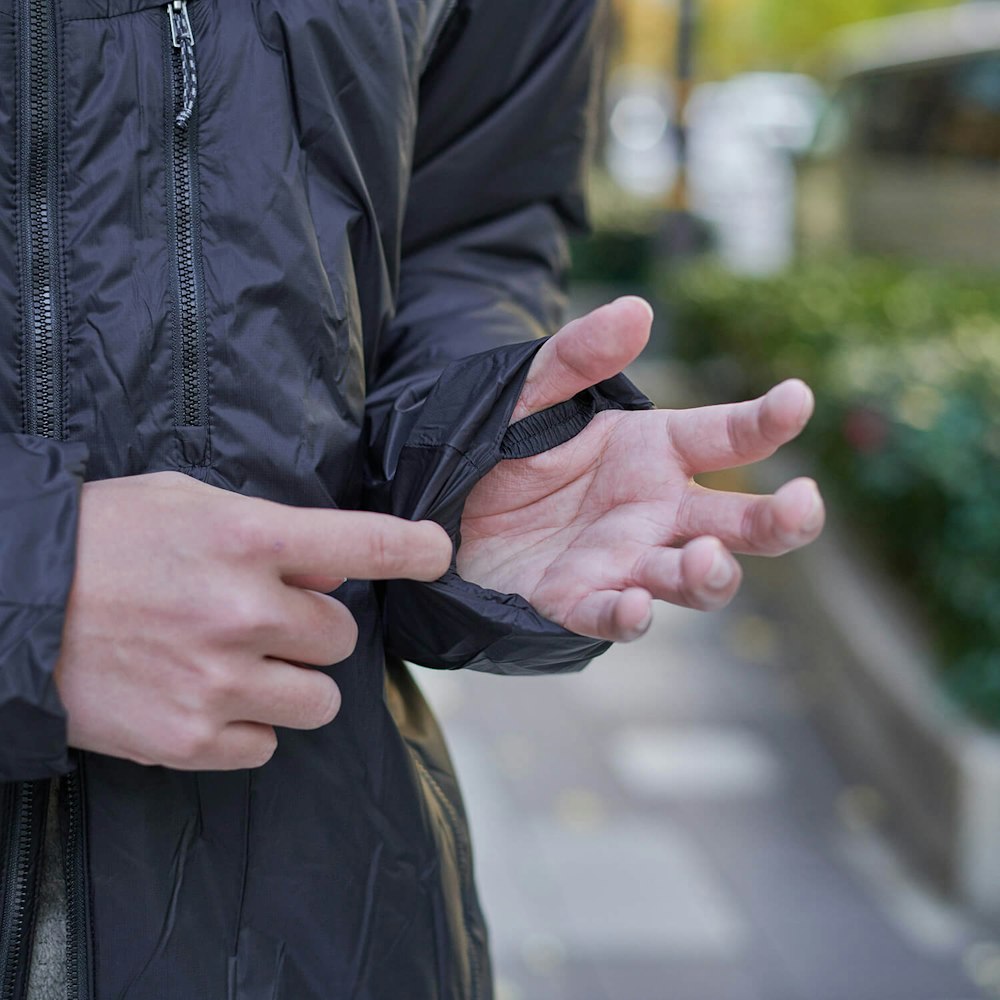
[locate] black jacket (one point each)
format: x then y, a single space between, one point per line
248 255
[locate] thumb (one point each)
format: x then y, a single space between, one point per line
587 351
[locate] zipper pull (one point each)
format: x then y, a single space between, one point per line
183 39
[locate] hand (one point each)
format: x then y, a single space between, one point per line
194 611
593 531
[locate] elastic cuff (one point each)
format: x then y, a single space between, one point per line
550 428
463 432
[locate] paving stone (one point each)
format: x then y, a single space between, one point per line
669 826
703 762
635 889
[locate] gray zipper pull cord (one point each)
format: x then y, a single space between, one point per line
183 38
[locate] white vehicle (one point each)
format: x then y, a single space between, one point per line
744 135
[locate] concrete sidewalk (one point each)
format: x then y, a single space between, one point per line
668 826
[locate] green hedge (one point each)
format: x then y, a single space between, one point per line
906 367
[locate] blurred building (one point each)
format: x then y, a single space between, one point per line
907 158
727 155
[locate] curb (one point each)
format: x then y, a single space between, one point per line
884 711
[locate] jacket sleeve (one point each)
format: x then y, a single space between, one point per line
506 108
40 484
505 119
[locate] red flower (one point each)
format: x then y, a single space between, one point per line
865 430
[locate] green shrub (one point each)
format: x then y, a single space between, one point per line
613 256
906 368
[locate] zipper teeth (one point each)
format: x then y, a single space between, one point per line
16 890
37 156
74 875
464 865
192 409
41 348
187 300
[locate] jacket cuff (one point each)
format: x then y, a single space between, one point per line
461 434
39 505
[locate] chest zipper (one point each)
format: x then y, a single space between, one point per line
183 201
42 324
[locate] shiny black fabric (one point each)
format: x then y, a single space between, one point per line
379 197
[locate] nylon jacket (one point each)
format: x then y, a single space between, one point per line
301 250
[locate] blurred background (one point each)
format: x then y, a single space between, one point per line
798 798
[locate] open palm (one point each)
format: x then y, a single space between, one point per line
593 531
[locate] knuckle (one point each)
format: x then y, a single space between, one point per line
385 558
246 616
243 535
220 683
735 436
192 743
759 528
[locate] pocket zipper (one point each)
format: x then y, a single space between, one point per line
190 363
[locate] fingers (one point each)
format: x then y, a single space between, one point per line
703 575
281 688
313 629
334 544
283 694
616 616
587 351
755 525
710 438
239 745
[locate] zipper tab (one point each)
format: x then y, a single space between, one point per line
183 39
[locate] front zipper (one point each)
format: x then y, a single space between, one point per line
78 978
41 301
183 201
24 822
463 859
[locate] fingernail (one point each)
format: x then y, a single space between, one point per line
640 301
814 519
720 576
643 627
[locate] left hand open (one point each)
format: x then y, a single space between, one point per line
593 531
